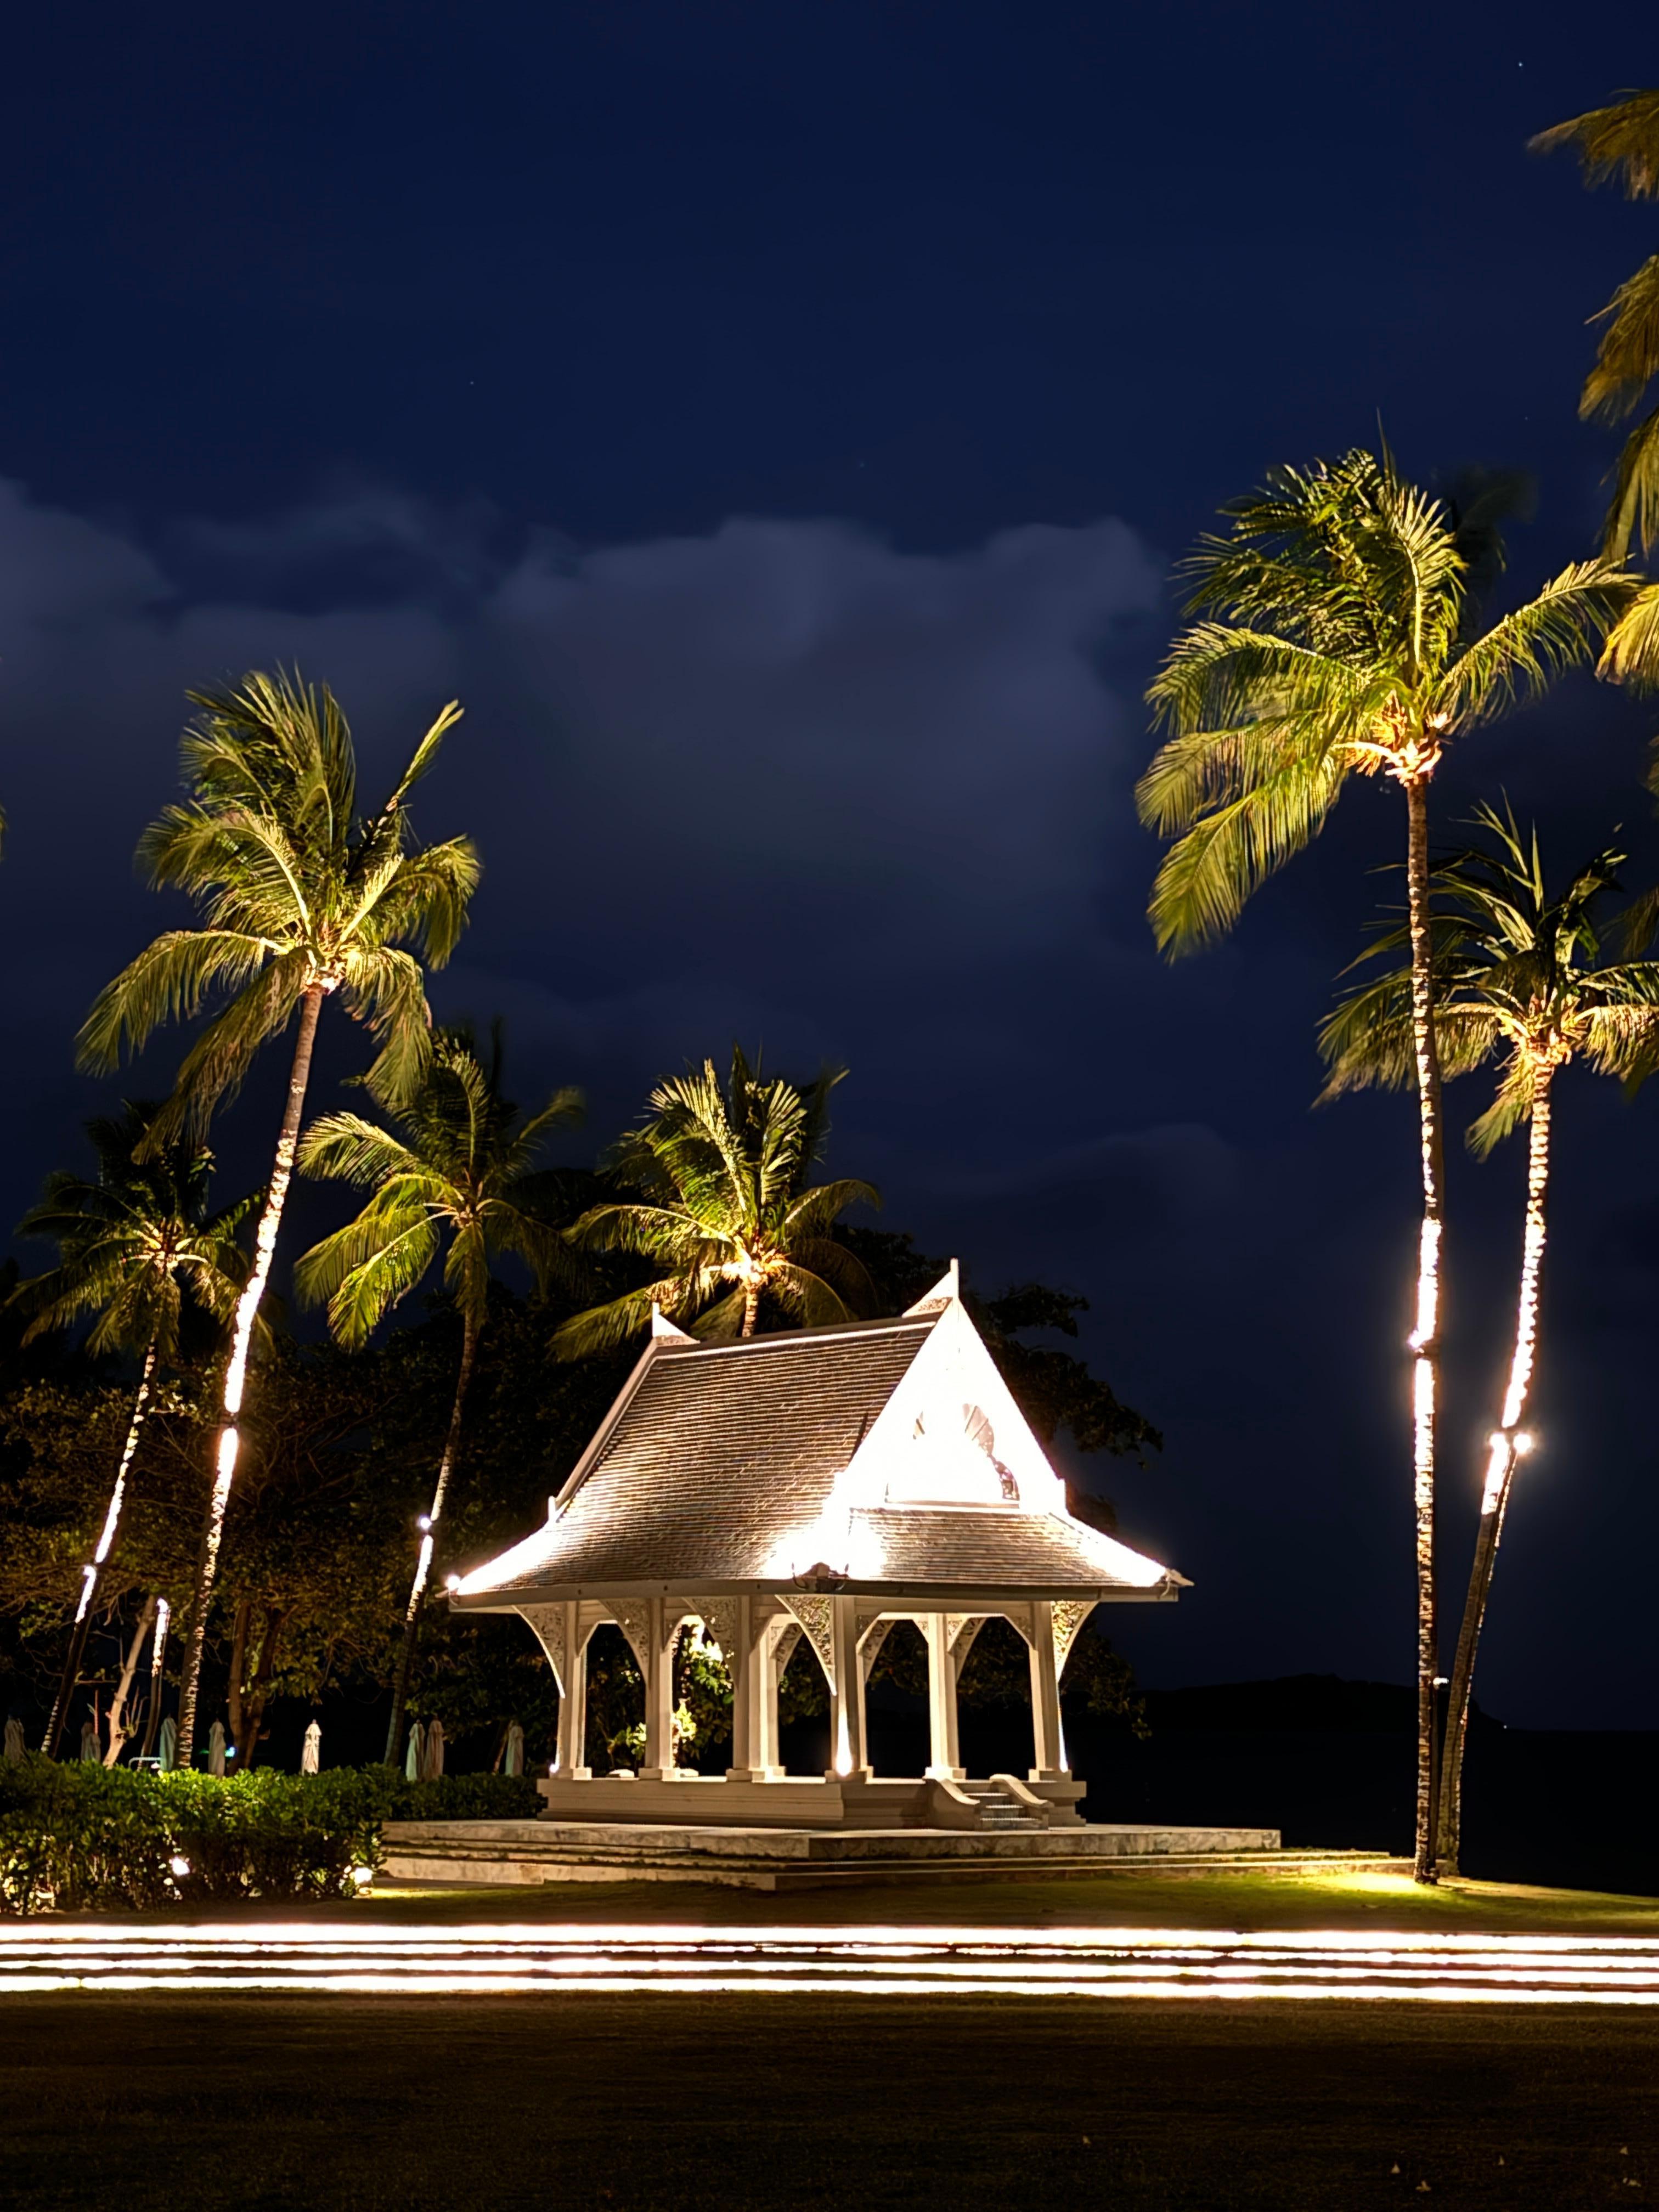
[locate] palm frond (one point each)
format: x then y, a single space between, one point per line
1207 875
1524 651
1633 511
1511 1106
1627 359
602 1328
1620 141
815 1209
169 981
1631 655
346 1147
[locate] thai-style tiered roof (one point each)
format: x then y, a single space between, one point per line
874 1458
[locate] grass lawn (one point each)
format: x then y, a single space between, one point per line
609 2103
1373 1901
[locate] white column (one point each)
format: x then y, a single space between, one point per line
571 1751
743 1663
848 1757
769 1636
1047 1739
658 1691
945 1761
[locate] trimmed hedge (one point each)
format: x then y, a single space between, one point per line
79 1837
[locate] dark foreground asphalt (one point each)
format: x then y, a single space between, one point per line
676 2104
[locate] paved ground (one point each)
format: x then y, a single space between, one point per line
695 2105
706 2102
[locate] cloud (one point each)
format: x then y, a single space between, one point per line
781 779
796 743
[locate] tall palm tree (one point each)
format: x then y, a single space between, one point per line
1518 978
724 1209
136 1245
1338 641
1622 142
462 1171
300 900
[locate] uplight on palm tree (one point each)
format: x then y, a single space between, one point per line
1519 980
723 1211
300 900
137 1245
1336 641
460 1172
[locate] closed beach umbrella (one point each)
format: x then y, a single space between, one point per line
434 1751
515 1749
217 1749
14 1741
166 1746
311 1757
89 1741
415 1757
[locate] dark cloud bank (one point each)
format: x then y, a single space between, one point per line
782 782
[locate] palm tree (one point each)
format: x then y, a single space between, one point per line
300 900
1338 642
136 1244
1622 141
1517 978
724 1210
462 1169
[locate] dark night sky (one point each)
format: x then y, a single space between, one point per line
776 423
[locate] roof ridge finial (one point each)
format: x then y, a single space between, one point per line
945 1292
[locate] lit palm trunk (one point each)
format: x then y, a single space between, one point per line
1334 640
247 1311
93 1570
429 1542
298 894
117 1710
1518 977
1424 1340
1506 1446
461 1170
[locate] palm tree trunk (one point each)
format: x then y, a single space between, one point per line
241 1628
1425 1335
117 1710
428 1540
247 1307
750 1308
258 1691
157 1680
1505 1448
93 1570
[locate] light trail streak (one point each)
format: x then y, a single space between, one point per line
486 1961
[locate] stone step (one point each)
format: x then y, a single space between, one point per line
430 1868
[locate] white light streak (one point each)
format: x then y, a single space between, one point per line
485 1960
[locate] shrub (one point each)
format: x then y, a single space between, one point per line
84 1838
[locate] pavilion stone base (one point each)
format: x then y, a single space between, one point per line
522 1852
685 1800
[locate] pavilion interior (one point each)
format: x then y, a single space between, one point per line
756 1634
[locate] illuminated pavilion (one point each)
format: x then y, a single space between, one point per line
824 1483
